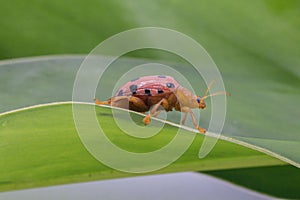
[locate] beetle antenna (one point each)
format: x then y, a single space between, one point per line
208 87
215 94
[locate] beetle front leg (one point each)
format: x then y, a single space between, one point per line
187 110
154 111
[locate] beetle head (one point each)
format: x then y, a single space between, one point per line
201 103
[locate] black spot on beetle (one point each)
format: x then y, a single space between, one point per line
170 85
120 93
133 89
147 92
161 76
135 79
160 91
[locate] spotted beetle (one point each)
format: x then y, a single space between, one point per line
151 92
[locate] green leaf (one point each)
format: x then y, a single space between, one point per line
40 146
50 79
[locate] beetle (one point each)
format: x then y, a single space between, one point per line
157 92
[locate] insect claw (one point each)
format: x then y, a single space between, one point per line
201 130
147 120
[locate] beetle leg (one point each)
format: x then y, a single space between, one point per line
172 102
154 111
138 104
188 110
184 118
123 102
114 101
101 102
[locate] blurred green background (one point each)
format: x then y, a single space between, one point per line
265 29
255 44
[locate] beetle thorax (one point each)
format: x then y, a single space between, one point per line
186 97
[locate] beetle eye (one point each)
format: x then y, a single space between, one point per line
198 99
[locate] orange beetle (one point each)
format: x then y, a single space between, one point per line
155 93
